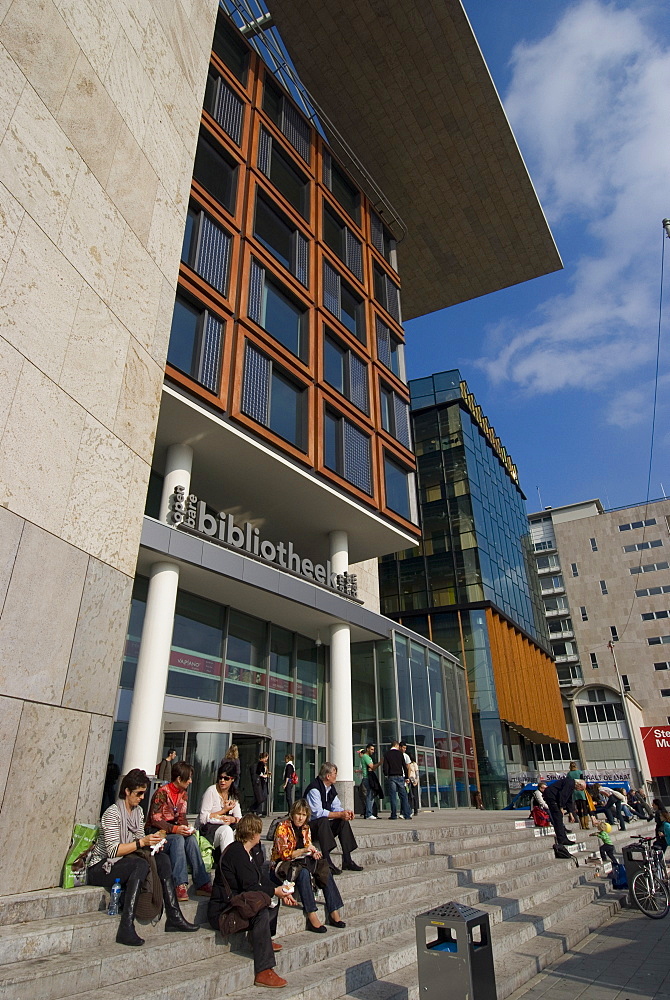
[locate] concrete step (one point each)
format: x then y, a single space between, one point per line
370 918
370 891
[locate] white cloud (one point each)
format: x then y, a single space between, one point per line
588 104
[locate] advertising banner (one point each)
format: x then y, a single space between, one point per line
656 740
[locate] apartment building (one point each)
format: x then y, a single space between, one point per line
605 582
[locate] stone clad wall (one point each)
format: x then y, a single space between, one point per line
99 112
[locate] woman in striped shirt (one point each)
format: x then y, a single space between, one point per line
115 857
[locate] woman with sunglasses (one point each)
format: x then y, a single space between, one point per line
220 810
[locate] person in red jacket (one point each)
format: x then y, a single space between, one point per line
167 812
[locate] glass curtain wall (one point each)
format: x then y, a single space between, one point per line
404 689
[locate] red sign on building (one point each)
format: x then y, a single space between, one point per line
656 741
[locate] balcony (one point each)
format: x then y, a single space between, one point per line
564 634
569 676
556 613
567 658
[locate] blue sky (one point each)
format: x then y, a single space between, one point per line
563 366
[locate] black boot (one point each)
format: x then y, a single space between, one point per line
176 921
126 934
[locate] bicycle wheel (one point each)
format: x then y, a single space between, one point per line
650 895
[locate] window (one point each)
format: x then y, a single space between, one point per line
542 546
341 188
637 524
215 171
279 108
342 241
390 350
658 640
594 545
395 415
230 48
195 344
386 293
665 692
382 239
625 682
652 591
663 665
647 568
344 371
282 172
224 106
397 480
640 546
594 661
649 616
614 633
573 569
272 398
603 587
341 300
282 238
347 451
583 613
206 248
545 563
549 583
275 309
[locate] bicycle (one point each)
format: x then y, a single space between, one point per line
650 885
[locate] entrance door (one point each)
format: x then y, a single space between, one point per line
250 748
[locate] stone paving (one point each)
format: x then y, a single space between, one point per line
628 958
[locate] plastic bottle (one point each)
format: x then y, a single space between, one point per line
114 897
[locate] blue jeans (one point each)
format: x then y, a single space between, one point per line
369 798
331 893
180 850
395 785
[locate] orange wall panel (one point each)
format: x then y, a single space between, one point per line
529 697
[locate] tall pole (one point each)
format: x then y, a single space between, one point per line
624 702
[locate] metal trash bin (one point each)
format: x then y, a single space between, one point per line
633 859
455 954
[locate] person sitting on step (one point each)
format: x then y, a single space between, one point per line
220 811
330 820
115 856
292 845
237 872
167 813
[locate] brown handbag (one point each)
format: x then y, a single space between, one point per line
241 909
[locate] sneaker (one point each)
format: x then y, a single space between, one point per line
276 946
182 893
268 977
204 890
371 817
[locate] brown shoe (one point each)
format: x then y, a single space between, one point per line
268 977
276 946
204 890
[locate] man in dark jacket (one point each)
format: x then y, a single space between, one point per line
329 820
557 796
395 772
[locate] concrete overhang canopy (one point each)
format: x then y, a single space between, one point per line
406 84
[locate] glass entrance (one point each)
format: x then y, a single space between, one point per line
250 748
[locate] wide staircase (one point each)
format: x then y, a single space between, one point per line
59 943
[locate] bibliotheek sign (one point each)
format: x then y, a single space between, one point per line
656 741
186 511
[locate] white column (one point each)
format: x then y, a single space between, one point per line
177 473
339 748
145 727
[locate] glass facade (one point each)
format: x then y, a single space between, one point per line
475 550
405 689
223 656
